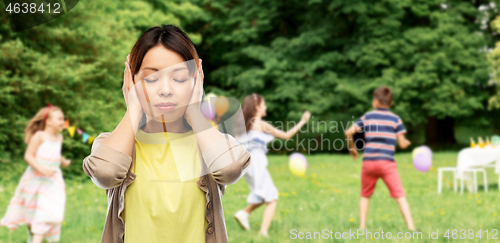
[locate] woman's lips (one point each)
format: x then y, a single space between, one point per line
166 106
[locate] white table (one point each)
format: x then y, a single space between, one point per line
477 157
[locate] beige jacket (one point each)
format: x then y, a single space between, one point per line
109 169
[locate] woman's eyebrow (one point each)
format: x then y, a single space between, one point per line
178 69
156 69
150 68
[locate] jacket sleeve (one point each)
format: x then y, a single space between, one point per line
227 160
106 166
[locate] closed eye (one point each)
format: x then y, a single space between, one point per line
180 81
150 80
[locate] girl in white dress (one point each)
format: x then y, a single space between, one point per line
259 134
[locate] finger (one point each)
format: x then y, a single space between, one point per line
200 74
199 85
125 75
128 74
199 90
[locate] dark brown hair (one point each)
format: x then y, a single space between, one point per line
169 36
383 95
250 109
37 123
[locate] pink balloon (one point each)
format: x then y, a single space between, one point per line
422 161
426 149
207 110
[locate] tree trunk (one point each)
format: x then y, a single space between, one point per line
440 131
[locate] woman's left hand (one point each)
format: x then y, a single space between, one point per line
196 97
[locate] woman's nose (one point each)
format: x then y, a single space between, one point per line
165 88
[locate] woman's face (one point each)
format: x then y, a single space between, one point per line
164 84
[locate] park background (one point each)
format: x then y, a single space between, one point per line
438 57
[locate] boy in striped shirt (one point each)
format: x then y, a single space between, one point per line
382 130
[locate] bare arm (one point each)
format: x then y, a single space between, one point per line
30 154
111 153
279 133
349 136
123 137
266 127
402 141
351 131
65 162
205 133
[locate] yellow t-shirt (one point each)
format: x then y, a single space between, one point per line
164 203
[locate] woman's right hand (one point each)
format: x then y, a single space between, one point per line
129 91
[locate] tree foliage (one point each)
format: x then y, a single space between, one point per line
322 56
76 62
329 56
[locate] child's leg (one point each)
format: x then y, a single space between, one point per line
37 238
369 178
39 230
364 204
268 216
249 209
405 211
393 182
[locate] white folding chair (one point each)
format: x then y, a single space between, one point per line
493 166
440 176
474 171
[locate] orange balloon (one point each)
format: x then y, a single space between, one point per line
221 106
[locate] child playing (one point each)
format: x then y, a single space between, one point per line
382 128
40 196
259 134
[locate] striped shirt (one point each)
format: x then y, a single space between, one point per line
381 127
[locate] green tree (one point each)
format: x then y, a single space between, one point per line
494 58
76 62
329 56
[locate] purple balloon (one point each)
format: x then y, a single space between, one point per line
207 110
429 151
300 156
422 161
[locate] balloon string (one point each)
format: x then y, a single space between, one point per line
321 184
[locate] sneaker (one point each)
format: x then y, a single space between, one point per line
242 219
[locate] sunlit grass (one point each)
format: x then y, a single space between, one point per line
326 199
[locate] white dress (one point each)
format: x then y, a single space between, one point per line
262 188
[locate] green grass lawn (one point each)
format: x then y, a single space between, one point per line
326 199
